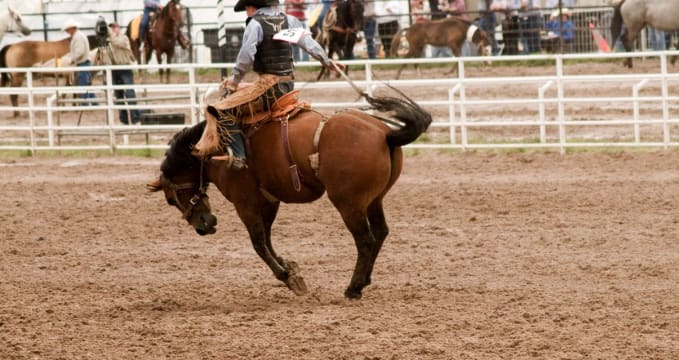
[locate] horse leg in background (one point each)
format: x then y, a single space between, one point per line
457 52
415 49
628 37
16 81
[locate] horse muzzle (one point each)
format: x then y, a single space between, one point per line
204 223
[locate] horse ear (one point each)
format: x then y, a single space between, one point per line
154 185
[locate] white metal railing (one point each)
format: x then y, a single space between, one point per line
542 102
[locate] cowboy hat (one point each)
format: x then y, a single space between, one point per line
241 4
70 23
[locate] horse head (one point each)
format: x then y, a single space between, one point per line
482 41
173 10
14 22
184 183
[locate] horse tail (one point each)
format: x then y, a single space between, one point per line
396 42
616 22
416 120
4 78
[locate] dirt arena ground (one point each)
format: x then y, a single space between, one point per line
491 256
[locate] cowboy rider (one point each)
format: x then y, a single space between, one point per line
265 55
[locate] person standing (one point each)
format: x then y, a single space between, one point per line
387 22
121 54
530 24
369 28
79 53
488 22
149 7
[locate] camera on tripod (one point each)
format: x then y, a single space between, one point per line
101 31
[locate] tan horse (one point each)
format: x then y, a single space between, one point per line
352 156
28 54
451 32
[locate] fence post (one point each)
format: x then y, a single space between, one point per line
665 110
463 111
31 117
541 110
451 111
192 95
559 95
635 95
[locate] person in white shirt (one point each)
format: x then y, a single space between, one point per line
79 53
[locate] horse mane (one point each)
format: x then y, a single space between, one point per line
178 157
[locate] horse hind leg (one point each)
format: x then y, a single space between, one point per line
379 229
357 223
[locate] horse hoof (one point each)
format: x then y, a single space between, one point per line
291 267
353 294
297 285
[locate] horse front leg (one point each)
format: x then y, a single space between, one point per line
259 228
628 43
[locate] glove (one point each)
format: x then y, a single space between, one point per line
228 86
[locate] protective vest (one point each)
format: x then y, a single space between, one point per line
273 57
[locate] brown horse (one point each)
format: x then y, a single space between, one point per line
359 159
163 35
451 32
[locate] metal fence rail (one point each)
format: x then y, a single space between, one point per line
552 109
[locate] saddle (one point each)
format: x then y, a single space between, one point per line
246 111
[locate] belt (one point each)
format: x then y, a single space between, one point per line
290 77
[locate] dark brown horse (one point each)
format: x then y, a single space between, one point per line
163 35
451 32
341 32
359 160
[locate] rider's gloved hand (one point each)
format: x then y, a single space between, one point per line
228 86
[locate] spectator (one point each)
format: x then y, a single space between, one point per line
488 21
387 22
79 53
656 38
121 54
454 8
419 11
297 8
369 28
558 32
530 24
